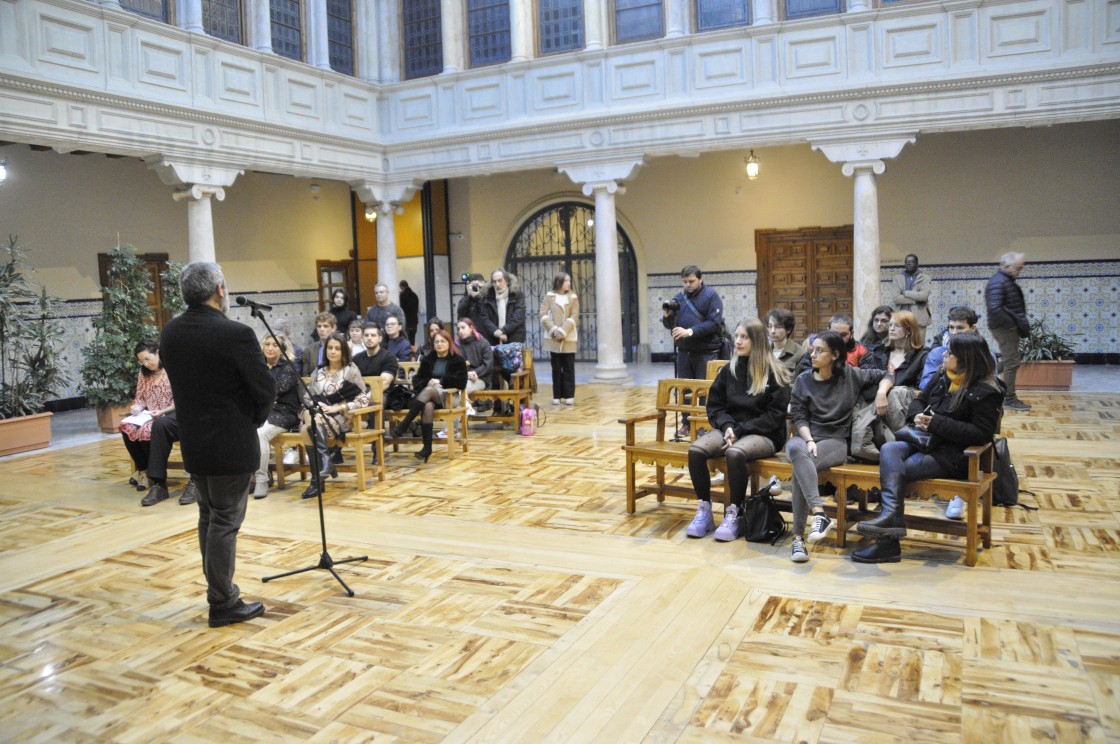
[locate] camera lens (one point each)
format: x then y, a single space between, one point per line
464 277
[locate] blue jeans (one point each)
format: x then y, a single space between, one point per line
221 509
900 463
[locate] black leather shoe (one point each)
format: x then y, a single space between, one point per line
239 613
336 455
189 495
157 493
310 492
883 550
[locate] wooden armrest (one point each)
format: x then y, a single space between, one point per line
366 409
631 424
975 456
639 419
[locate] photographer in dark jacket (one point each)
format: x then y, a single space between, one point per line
695 318
223 393
1007 320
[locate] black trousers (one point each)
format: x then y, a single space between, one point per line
165 432
563 374
139 451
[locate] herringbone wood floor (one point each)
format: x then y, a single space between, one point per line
509 597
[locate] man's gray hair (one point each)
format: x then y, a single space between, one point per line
1010 257
199 280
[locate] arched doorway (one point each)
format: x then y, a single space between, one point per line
561 237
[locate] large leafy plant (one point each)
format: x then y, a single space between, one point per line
109 370
30 367
1042 344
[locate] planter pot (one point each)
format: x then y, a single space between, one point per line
25 433
109 417
1048 375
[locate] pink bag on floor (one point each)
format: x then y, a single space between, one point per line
528 421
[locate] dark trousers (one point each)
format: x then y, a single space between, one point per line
563 374
221 510
165 432
693 365
900 463
139 451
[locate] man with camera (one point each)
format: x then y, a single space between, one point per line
471 304
695 318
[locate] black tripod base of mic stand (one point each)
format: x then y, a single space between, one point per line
325 562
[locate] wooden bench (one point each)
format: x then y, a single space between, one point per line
448 416
674 396
365 432
518 395
855 480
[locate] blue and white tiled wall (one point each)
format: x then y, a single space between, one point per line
1080 299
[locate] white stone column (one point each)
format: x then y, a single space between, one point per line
864 160
196 184
200 219
389 41
260 26
387 200
367 42
604 181
594 24
676 18
452 20
189 15
318 46
520 30
762 12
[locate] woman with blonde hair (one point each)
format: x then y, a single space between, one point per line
285 411
747 406
560 319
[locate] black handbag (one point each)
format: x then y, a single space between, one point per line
397 397
915 437
762 520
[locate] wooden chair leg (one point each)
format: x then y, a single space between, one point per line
973 540
379 445
631 474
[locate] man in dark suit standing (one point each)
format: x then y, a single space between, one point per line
223 393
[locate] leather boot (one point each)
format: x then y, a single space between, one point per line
426 435
326 464
883 550
891 521
414 409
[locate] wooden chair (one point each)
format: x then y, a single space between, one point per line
674 395
448 416
364 432
714 366
519 394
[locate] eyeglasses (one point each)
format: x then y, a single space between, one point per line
814 351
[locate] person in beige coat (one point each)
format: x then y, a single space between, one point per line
560 318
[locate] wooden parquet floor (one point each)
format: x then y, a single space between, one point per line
508 597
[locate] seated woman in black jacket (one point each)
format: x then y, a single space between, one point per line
441 368
960 407
747 410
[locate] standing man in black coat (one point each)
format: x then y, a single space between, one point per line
410 303
223 393
1007 320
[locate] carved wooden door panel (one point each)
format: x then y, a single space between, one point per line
807 271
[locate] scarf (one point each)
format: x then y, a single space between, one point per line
955 380
503 298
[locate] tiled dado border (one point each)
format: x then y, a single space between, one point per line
293 311
1078 298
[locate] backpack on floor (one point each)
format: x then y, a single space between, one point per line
1005 490
762 521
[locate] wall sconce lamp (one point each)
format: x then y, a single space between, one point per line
591 222
371 214
752 166
3 171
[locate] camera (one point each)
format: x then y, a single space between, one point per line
474 288
671 306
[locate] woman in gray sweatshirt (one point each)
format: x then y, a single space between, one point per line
821 406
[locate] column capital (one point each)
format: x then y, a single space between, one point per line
606 176
379 194
179 172
194 192
863 153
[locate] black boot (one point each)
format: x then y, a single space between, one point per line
883 550
326 463
426 435
414 409
891 521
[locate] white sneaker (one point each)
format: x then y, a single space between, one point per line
555 401
822 525
441 434
702 523
569 401
797 552
955 510
728 529
717 479
291 456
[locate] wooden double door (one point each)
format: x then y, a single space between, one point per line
807 271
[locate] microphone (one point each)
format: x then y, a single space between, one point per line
252 304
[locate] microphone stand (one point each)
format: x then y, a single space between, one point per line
676 414
316 413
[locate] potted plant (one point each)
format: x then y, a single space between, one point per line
109 368
1047 359
30 367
